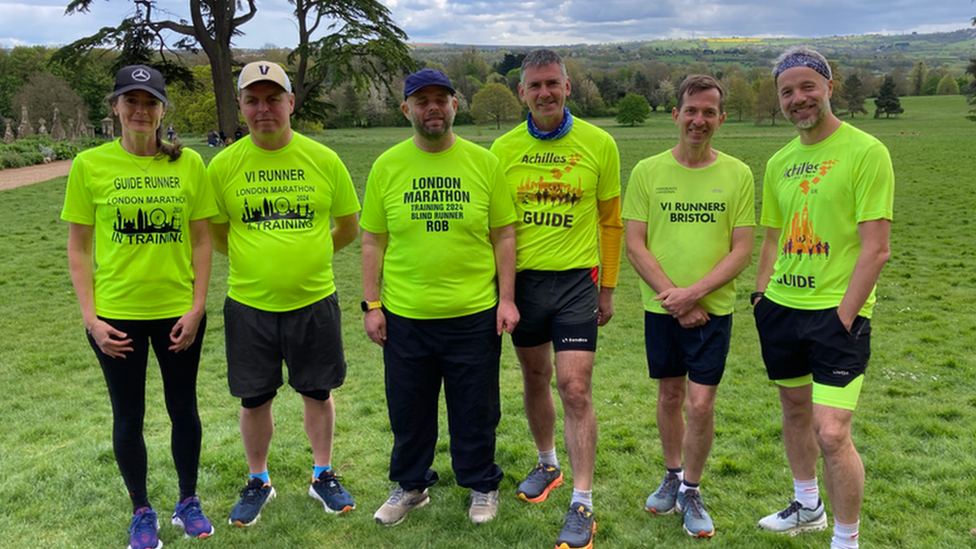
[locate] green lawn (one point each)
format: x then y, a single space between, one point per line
915 426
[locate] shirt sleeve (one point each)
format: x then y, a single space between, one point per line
345 201
609 184
204 204
374 212
79 205
217 187
745 215
874 185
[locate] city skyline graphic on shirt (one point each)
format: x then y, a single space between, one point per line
554 192
278 208
154 221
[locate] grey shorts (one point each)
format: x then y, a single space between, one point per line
308 340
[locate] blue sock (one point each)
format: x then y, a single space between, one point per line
318 470
263 476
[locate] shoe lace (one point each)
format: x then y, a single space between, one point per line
694 504
539 471
794 508
479 498
577 519
332 484
251 491
396 495
671 484
190 511
143 523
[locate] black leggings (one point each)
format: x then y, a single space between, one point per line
126 380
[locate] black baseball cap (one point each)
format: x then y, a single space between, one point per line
426 77
140 77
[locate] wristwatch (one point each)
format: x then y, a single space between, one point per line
368 306
752 298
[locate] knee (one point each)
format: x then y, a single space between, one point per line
576 396
700 410
536 380
671 395
833 438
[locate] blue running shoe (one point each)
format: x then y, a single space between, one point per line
697 522
662 501
578 529
189 517
144 530
327 489
254 496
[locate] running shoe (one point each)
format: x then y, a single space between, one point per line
255 495
536 486
484 506
144 530
333 496
578 528
696 520
189 517
662 501
796 519
399 504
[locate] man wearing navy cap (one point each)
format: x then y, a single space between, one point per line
438 232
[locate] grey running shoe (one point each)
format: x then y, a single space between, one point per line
796 519
484 506
536 486
399 504
662 501
577 532
697 522
254 497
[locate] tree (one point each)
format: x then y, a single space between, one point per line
363 39
931 84
588 98
192 108
947 86
766 102
633 109
971 88
495 103
739 100
41 94
887 102
917 77
854 96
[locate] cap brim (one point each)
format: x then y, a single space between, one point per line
143 87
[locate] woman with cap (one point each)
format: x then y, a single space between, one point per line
143 205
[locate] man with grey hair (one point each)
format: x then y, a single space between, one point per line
827 208
564 174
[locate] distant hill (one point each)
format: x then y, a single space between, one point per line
876 52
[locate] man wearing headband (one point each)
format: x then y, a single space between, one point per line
564 174
827 208
438 283
276 191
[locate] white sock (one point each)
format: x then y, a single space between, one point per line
806 492
845 536
680 472
685 487
549 458
584 497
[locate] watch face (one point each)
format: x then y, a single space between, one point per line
365 306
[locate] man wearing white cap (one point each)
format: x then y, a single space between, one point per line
276 191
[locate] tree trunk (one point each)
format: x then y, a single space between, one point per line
224 86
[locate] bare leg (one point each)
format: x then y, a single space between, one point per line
670 418
701 429
798 435
257 427
540 409
843 470
320 427
574 372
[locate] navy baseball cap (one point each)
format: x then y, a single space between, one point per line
426 77
140 77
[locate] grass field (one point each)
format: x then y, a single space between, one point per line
915 426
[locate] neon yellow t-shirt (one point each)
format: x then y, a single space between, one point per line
817 195
143 253
438 209
556 185
690 215
278 204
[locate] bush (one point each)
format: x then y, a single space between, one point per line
10 160
32 150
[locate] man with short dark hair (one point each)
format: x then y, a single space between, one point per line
690 215
564 174
438 239
276 191
827 208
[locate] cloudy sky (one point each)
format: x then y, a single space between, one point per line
540 22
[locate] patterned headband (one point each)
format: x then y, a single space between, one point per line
804 60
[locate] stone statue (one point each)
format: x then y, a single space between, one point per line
72 130
57 130
43 126
25 128
8 136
